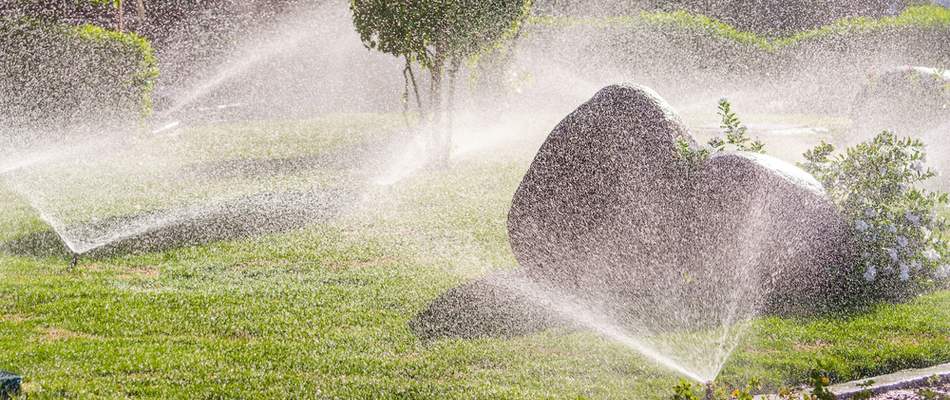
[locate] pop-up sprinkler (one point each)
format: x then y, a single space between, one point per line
9 385
75 261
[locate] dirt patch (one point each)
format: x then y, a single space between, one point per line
15 318
53 333
811 346
142 271
373 262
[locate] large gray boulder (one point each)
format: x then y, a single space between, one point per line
609 214
608 209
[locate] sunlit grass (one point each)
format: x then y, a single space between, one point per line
275 139
322 311
125 181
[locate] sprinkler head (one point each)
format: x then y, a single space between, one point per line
710 391
75 261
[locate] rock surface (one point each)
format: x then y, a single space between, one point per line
609 213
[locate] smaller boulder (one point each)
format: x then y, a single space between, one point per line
503 304
908 101
936 145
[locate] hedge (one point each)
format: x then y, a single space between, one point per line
54 76
824 67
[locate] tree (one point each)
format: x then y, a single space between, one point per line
140 10
436 33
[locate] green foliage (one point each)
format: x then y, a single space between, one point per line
746 393
114 3
918 17
819 385
735 132
864 394
54 75
931 395
693 155
894 225
684 391
432 31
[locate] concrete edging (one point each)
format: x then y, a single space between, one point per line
905 379
899 380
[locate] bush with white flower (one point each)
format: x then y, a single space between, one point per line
896 230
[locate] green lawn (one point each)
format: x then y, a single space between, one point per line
321 311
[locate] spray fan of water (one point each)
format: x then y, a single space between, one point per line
694 352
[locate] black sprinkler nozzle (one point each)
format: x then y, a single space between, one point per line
75 261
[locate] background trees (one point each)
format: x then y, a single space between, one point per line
438 35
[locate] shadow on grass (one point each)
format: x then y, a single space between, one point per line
361 156
260 214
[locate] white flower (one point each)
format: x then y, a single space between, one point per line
931 254
902 241
902 186
891 252
870 212
904 275
941 272
861 225
918 166
892 228
870 273
882 170
913 218
916 265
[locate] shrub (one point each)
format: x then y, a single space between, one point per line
56 75
895 227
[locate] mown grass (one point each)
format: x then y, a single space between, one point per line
322 311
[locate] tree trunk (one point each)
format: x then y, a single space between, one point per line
140 12
415 89
446 147
405 92
121 22
436 128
